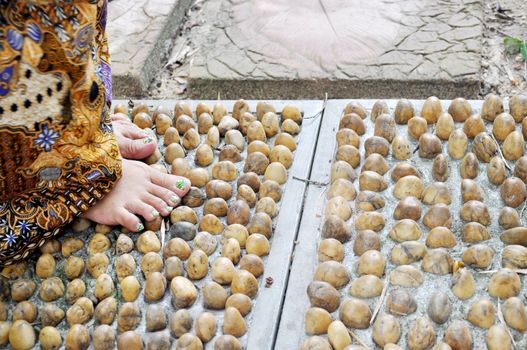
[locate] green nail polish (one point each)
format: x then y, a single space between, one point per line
155 213
169 208
181 184
140 227
175 199
148 139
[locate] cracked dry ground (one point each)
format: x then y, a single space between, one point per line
148 20
411 40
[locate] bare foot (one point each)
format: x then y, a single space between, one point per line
141 191
133 142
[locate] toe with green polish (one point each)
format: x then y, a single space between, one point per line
175 199
140 227
181 184
155 213
148 139
169 209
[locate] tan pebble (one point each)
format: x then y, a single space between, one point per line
400 302
482 313
505 283
104 338
386 329
78 338
498 338
439 307
421 334
458 336
515 314
129 340
338 335
233 323
463 284
21 335
49 338
355 313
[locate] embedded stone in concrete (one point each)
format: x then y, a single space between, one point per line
140 37
349 48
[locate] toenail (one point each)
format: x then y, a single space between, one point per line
140 227
169 209
181 184
155 213
175 199
148 139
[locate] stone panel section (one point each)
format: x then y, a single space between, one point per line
349 48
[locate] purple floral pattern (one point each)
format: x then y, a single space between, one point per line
46 139
107 78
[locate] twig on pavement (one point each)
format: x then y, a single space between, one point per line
318 183
381 300
500 317
500 153
357 339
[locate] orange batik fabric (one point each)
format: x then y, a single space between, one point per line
58 154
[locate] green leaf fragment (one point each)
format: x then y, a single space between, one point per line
523 50
512 45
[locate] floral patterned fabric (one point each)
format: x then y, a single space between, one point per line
58 154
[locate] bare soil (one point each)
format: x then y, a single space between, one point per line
502 73
171 81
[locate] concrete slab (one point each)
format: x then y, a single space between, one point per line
140 37
267 306
292 325
348 48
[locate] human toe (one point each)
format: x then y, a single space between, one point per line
138 148
158 204
178 184
129 221
171 199
143 209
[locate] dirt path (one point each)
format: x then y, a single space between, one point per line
503 74
171 81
